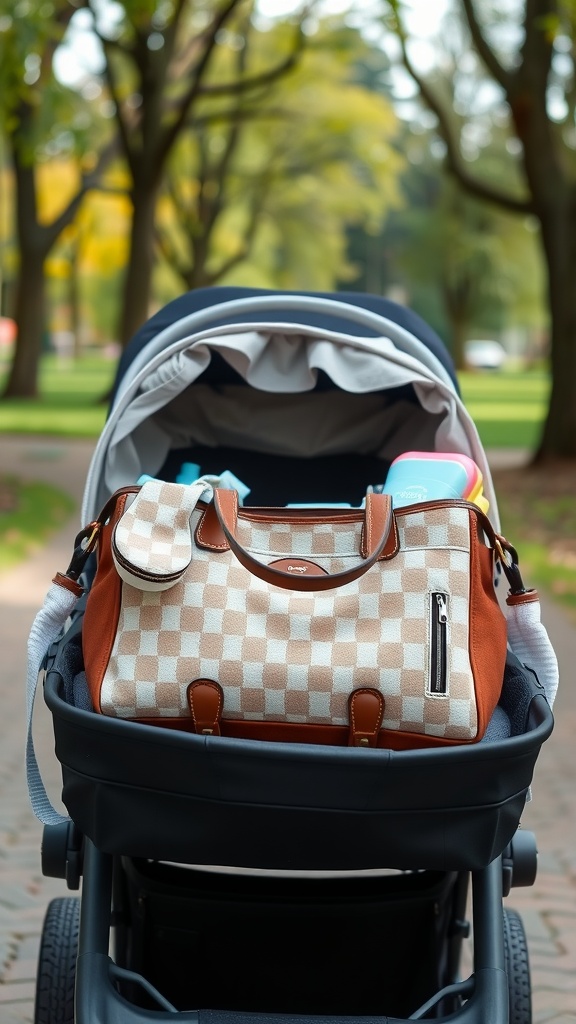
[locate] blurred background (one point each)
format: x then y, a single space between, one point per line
421 151
152 146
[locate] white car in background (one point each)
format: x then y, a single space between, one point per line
484 355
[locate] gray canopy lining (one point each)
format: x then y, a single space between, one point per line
160 408
305 424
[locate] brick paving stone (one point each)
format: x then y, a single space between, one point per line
549 1000
21 969
18 992
535 926
22 1014
14 898
548 1015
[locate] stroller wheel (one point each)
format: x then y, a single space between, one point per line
517 968
57 963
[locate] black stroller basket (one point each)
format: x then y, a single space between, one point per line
293 941
228 881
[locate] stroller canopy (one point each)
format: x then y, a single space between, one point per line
290 379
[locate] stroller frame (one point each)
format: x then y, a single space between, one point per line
468 838
485 995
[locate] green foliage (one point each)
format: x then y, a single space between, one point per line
305 161
481 260
35 109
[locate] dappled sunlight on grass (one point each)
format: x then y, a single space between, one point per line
507 408
72 400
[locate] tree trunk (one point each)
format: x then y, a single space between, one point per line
138 281
457 301
35 240
74 299
29 315
558 439
459 328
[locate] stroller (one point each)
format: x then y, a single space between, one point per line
228 881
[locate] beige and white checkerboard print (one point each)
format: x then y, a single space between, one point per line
152 544
287 656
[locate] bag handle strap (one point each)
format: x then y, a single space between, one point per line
378 525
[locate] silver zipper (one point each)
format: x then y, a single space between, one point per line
438 643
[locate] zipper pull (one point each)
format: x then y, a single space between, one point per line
442 608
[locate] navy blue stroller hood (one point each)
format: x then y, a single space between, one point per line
329 318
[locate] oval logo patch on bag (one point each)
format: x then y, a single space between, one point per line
299 566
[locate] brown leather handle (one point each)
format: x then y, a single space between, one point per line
378 525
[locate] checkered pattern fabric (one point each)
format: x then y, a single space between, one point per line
286 656
153 535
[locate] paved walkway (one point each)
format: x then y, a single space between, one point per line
548 909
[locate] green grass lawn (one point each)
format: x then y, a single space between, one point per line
71 400
507 408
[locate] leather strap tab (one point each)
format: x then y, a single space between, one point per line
206 702
69 584
366 710
209 535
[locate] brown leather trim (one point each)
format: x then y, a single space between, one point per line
487 629
392 545
366 712
206 701
291 732
103 604
227 503
68 584
528 597
110 506
307 516
209 534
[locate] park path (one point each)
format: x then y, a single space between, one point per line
548 909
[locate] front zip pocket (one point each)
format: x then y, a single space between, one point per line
438 643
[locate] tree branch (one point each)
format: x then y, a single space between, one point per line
172 29
256 208
169 254
89 181
108 45
191 94
473 185
532 77
265 78
484 50
232 114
